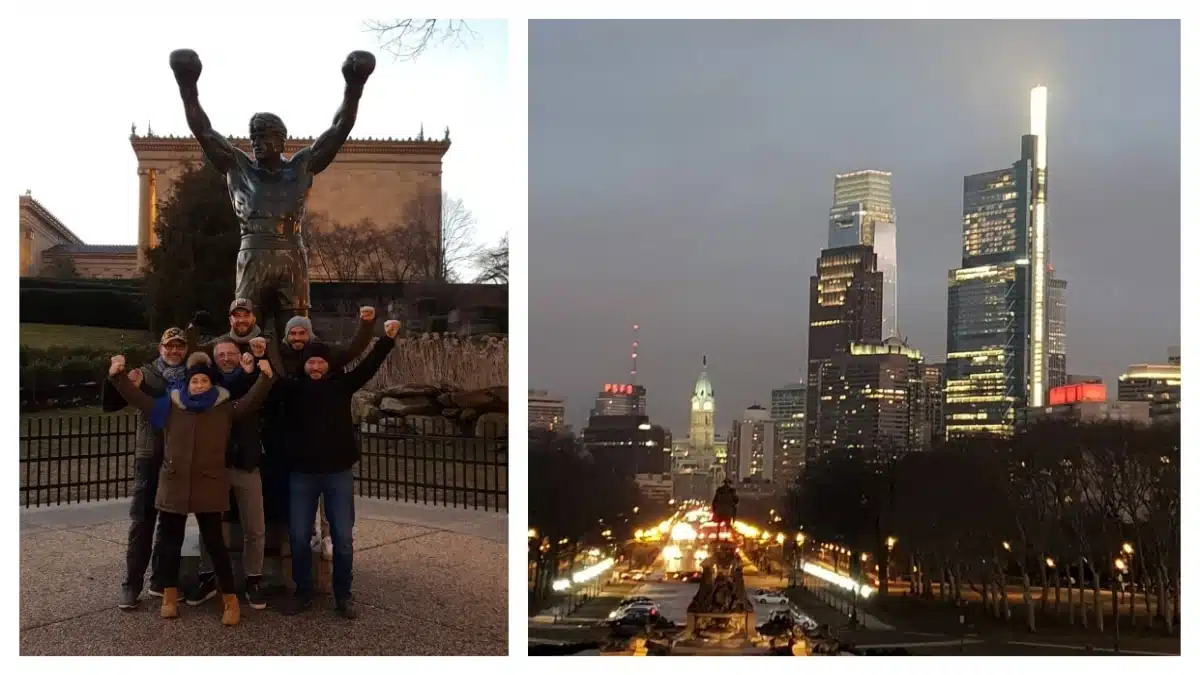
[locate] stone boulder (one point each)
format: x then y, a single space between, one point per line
437 410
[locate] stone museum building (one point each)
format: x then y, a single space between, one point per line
371 178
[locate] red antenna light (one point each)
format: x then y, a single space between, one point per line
633 355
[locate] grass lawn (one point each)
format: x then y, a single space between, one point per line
53 335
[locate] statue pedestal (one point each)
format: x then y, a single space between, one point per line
715 633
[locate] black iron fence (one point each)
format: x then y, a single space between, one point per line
66 460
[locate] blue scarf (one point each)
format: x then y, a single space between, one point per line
195 404
172 374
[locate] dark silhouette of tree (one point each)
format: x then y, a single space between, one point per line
60 266
493 264
194 266
572 501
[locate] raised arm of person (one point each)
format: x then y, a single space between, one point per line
219 151
126 386
356 379
344 354
356 69
257 394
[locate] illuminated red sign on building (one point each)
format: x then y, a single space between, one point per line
1078 393
620 389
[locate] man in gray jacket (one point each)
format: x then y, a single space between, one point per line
153 378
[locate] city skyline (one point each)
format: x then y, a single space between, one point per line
706 235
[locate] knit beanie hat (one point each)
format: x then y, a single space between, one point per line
302 322
315 350
199 364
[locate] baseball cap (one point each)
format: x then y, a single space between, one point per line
173 334
241 303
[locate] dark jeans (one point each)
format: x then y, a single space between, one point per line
274 472
145 543
173 526
338 490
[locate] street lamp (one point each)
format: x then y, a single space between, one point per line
1006 546
532 533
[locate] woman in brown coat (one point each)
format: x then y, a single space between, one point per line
197 416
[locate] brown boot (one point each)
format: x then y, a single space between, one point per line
170 604
233 610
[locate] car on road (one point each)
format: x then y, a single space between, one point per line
635 599
638 620
622 610
765 597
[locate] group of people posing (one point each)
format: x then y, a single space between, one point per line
211 416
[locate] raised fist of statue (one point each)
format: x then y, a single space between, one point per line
186 65
356 69
366 313
258 347
391 328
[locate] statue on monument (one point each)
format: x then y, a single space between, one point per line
724 504
269 191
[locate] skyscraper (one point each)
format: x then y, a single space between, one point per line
873 400
620 399
752 447
1056 331
1006 320
787 411
546 411
845 306
862 213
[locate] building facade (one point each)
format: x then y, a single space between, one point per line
874 400
620 399
1006 314
787 411
933 375
753 447
371 179
862 214
845 306
547 411
1159 386
628 444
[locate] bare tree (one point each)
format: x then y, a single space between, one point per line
493 263
339 251
407 39
432 213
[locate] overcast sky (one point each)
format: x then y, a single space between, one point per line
681 176
94 76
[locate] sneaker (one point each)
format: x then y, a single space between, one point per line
327 548
203 591
296 605
254 592
345 608
129 597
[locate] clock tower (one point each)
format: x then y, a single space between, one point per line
703 429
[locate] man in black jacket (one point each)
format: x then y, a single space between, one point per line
242 455
323 448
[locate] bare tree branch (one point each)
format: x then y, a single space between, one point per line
493 264
407 39
432 213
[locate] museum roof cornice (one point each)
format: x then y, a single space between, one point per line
43 214
353 146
